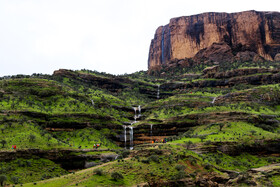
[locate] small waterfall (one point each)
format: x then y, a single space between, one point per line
139 109
92 102
151 131
131 136
158 91
135 113
124 127
214 100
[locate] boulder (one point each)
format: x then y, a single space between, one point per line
277 57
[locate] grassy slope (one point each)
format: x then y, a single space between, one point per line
26 170
164 163
65 97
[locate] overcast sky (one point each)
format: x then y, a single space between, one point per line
113 36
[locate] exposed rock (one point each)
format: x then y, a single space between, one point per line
236 72
277 57
258 58
210 70
217 52
245 56
217 37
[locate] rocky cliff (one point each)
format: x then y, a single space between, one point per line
219 37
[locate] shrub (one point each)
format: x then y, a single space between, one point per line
179 175
207 166
189 144
145 161
116 175
15 179
3 178
125 153
180 167
32 137
3 142
98 172
192 160
154 158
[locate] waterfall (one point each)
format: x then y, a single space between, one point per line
131 136
135 113
158 91
151 131
124 127
214 100
92 102
162 45
139 109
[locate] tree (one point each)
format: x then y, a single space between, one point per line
203 137
3 178
221 125
188 144
253 132
3 142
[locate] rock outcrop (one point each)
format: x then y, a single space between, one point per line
242 36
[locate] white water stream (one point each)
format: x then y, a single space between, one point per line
158 91
214 100
131 127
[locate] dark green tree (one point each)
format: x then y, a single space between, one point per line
3 178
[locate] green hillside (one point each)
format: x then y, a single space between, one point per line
220 127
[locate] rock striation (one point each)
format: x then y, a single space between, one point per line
217 37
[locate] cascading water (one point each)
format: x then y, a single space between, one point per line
131 136
131 127
158 91
213 101
92 102
135 113
124 127
151 131
139 109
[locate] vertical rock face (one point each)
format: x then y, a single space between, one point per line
194 37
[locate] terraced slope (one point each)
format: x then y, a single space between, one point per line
217 123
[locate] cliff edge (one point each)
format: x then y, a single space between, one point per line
217 37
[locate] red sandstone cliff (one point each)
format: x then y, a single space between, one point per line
217 37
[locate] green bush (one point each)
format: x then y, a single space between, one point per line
180 167
15 179
98 172
116 175
32 138
179 175
154 158
3 178
145 161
